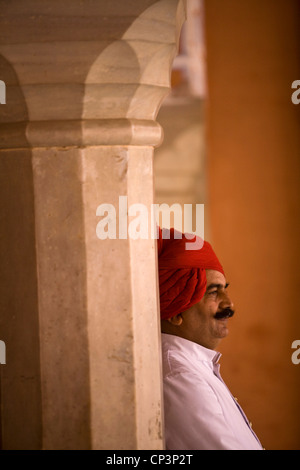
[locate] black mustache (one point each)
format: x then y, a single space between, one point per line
225 313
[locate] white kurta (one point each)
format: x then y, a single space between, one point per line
200 412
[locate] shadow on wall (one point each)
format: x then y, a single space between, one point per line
20 377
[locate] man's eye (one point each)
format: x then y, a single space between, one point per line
212 292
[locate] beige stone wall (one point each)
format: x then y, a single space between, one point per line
180 160
179 163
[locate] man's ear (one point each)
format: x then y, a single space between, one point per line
176 320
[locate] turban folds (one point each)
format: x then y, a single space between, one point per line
182 263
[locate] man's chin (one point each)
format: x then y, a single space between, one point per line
222 328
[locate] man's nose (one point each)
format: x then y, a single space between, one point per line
226 301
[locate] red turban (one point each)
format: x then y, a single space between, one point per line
182 263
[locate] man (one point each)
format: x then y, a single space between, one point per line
200 412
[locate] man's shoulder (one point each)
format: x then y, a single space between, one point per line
173 362
179 360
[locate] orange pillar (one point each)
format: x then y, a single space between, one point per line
253 148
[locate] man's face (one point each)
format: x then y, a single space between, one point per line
206 322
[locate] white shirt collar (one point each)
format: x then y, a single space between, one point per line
186 346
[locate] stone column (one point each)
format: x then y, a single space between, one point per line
79 315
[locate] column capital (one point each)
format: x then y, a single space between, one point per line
87 74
